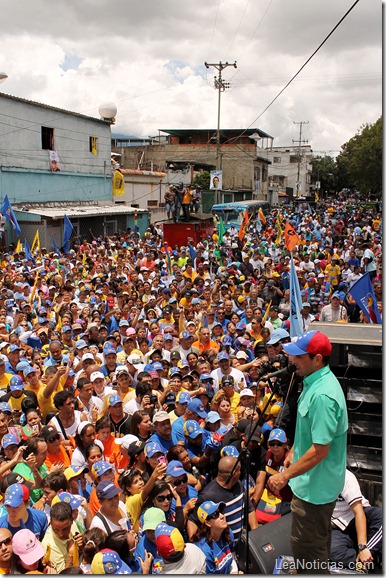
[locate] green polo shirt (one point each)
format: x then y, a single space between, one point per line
321 419
25 471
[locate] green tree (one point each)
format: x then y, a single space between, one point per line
202 180
361 159
324 170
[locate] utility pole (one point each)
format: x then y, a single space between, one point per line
221 86
300 142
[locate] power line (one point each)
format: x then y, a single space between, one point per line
298 72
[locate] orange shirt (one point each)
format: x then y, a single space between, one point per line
62 458
112 451
211 345
94 503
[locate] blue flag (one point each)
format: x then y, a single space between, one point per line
258 223
67 232
193 254
56 248
27 251
296 325
8 213
363 293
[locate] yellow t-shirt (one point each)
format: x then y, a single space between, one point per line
4 383
47 405
134 507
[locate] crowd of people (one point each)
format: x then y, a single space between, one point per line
135 374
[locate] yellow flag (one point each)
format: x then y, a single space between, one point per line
267 311
34 287
18 247
279 230
316 197
36 242
118 184
94 148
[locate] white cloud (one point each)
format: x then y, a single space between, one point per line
149 58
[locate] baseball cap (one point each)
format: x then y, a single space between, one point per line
227 380
15 495
113 400
185 335
170 398
169 541
134 359
107 490
212 417
48 431
9 440
175 355
196 406
3 359
22 365
246 392
26 545
126 441
88 356
153 374
96 375
206 377
80 344
157 365
160 416
107 561
67 498
136 448
153 448
101 467
278 434
109 351
335 294
175 371
66 328
152 517
183 397
230 451
175 469
28 370
14 478
222 355
208 508
13 348
241 355
73 471
310 342
192 429
15 383
277 335
182 363
5 407
168 337
306 304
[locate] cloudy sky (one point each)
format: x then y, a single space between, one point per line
148 58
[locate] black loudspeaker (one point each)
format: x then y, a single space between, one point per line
266 544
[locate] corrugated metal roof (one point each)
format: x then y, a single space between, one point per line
224 131
80 211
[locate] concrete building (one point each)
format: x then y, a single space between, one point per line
183 152
289 172
55 159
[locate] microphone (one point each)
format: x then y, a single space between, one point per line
285 371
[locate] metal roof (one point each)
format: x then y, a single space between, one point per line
224 131
77 211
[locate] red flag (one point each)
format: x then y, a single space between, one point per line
244 225
291 238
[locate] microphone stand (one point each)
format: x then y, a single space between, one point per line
244 458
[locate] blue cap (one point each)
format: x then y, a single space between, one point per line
213 417
15 495
15 383
123 323
277 335
175 469
67 498
148 367
28 370
206 377
152 448
314 342
195 405
175 371
5 407
226 340
335 294
157 365
100 467
109 350
229 451
9 440
207 509
240 326
222 355
185 334
80 344
66 328
278 434
113 400
168 337
13 348
183 397
22 365
192 429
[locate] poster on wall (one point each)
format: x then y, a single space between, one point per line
215 180
54 161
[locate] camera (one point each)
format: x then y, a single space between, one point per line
266 367
153 399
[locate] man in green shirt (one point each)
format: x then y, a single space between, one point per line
317 472
33 468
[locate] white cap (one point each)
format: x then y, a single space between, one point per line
96 375
126 440
87 356
246 391
134 359
241 355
